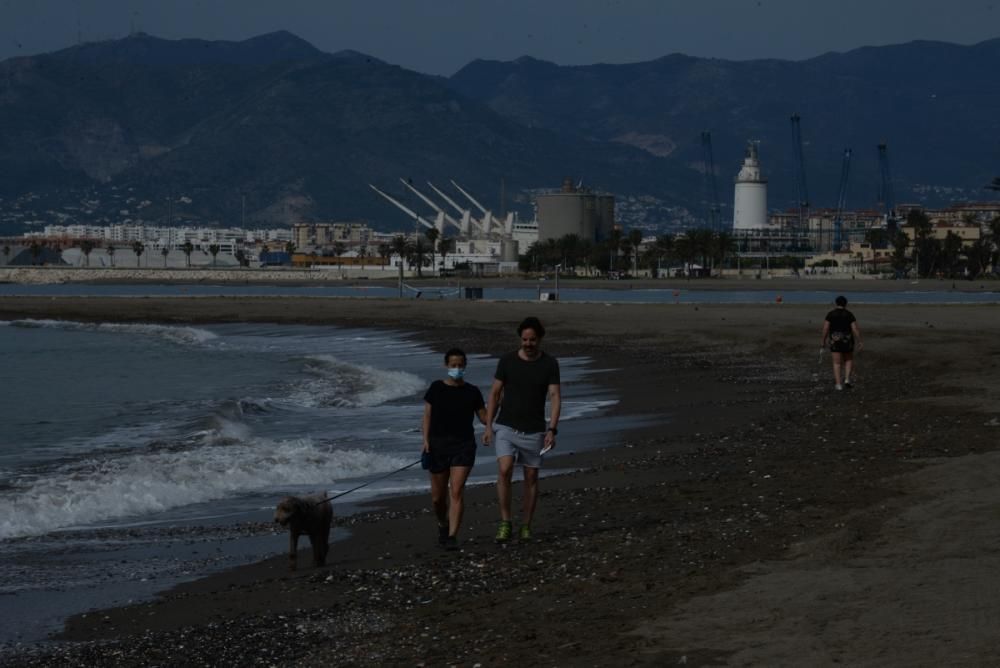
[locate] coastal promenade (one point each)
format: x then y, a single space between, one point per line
777 281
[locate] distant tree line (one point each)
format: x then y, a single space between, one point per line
927 256
625 253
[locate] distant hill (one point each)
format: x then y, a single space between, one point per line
277 131
273 123
936 105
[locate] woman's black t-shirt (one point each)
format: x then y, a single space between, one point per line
453 408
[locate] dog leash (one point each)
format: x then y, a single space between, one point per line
365 484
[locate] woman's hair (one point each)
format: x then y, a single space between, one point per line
840 301
531 322
456 352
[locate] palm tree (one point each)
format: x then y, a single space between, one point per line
338 250
656 251
290 247
214 249
86 246
111 253
725 244
36 251
625 246
568 249
6 253
951 251
401 247
635 238
978 255
241 257
362 253
138 247
419 249
432 235
385 252
614 241
164 252
188 248
445 245
685 251
702 245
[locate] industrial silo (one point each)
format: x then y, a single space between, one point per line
573 211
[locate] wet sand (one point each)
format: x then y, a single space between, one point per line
772 521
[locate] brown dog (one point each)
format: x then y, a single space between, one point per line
311 515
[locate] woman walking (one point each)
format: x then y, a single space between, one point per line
841 330
450 405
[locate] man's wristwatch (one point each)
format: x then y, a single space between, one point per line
555 432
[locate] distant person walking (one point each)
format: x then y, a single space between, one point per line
449 451
841 330
522 382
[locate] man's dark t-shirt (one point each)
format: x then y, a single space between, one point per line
525 387
453 408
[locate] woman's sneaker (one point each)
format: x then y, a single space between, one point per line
503 531
442 534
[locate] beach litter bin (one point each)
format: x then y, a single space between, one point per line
473 293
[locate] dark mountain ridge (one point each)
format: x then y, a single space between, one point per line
290 137
935 104
278 130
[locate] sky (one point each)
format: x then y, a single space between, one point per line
441 36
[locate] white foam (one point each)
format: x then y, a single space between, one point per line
183 335
109 488
572 410
339 383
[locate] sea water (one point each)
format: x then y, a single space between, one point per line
133 455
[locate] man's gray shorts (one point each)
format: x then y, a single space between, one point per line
523 447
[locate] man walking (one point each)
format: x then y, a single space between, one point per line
523 380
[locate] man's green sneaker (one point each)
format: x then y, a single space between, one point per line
526 532
503 531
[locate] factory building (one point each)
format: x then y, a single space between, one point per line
574 210
750 199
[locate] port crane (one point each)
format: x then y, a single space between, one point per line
800 174
885 194
711 190
838 220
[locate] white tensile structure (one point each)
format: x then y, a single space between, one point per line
750 199
477 228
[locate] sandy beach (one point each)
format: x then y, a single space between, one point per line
767 521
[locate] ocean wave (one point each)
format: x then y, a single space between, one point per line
573 410
112 488
182 335
337 383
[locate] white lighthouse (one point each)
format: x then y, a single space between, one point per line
750 199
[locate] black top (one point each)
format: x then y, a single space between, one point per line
840 320
525 386
453 407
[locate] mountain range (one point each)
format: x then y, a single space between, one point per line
271 130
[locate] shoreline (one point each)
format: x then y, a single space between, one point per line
755 476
